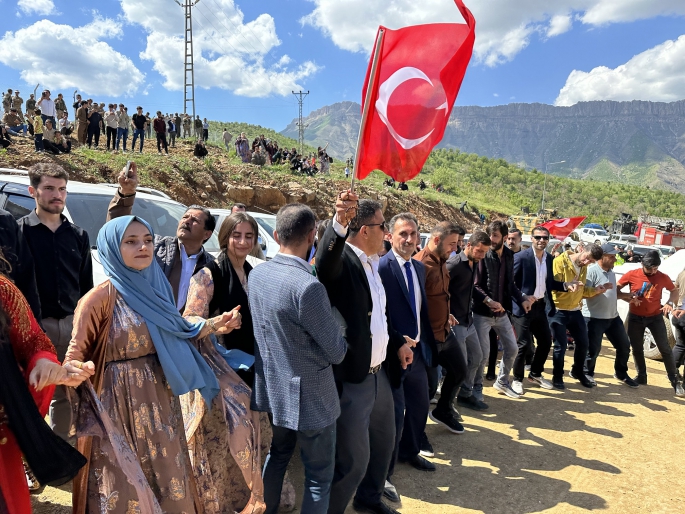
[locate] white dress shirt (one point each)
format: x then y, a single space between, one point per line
417 290
540 276
187 269
379 323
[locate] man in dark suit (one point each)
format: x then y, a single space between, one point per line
298 339
533 275
404 280
347 264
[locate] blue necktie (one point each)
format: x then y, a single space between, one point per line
410 287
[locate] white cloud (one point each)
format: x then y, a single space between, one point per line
503 27
559 24
657 74
42 7
229 53
61 57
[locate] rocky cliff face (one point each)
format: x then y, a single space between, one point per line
636 142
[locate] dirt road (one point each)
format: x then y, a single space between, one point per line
612 448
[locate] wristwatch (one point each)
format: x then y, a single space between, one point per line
488 300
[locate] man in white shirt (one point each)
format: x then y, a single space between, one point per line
47 107
347 265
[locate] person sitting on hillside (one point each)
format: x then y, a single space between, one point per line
258 157
200 150
389 182
422 185
13 123
402 186
5 139
64 124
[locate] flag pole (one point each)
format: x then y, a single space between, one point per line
367 103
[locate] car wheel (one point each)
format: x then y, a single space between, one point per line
651 350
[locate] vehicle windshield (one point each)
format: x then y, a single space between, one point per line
90 212
268 224
599 232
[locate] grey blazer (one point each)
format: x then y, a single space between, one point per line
298 339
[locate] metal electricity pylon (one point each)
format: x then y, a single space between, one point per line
300 125
188 70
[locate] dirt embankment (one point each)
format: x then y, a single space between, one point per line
219 181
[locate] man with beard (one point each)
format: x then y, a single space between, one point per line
462 268
493 297
514 240
180 257
533 275
444 240
63 266
404 280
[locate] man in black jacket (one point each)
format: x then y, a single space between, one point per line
180 257
347 264
493 296
17 254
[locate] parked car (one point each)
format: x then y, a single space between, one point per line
623 239
593 235
87 208
671 267
643 249
265 238
665 250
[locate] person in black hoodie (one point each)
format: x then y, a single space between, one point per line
94 120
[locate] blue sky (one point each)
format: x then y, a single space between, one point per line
252 54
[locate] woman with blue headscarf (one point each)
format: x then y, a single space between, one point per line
137 351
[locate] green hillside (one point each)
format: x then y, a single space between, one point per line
216 130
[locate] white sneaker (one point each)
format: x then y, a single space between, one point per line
505 389
517 386
542 382
679 391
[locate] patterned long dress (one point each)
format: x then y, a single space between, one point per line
143 413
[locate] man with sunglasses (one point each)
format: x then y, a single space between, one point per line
646 286
534 276
347 265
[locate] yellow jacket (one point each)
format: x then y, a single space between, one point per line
564 271
37 124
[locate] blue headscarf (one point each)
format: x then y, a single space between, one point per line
148 293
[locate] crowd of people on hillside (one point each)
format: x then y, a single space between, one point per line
183 371
47 121
263 151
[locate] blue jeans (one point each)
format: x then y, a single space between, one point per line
505 332
122 133
15 130
38 139
574 322
46 118
317 450
136 133
616 334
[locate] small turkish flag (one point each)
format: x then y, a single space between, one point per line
561 228
418 75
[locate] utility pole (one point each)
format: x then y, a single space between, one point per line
188 70
300 124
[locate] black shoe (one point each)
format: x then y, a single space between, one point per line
426 447
472 403
558 383
378 508
391 493
582 379
418 462
641 380
446 419
627 381
490 376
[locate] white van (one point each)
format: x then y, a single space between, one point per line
87 207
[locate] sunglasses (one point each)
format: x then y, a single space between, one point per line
382 225
538 238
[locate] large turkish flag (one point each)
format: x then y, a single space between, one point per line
418 75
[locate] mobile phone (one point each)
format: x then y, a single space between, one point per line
128 169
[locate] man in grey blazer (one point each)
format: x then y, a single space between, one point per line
298 339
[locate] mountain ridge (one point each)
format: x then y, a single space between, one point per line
638 142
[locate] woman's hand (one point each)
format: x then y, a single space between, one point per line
228 321
78 372
46 373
